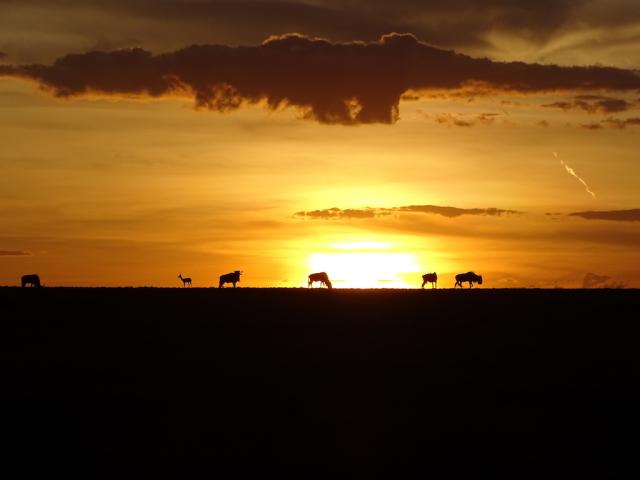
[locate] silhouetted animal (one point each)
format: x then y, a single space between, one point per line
233 277
468 277
321 277
431 278
33 280
185 280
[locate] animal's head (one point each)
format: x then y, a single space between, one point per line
479 279
237 272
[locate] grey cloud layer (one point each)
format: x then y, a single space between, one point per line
159 25
347 83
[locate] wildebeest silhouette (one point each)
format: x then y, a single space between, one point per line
468 277
185 280
33 280
233 277
321 277
431 278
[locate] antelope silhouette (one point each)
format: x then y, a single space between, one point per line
185 280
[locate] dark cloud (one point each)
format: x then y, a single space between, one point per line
632 215
450 212
13 253
347 83
593 104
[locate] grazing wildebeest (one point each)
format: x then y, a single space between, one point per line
185 280
468 277
233 277
33 280
431 278
321 277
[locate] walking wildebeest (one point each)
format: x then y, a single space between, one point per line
233 277
468 277
33 280
321 277
431 278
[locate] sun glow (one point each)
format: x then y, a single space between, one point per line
366 269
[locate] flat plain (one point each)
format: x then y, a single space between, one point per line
316 383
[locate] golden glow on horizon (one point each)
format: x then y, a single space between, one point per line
361 245
367 269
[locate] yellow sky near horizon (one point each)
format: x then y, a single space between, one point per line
112 192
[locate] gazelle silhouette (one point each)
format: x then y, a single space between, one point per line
185 280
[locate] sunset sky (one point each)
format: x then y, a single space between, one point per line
373 140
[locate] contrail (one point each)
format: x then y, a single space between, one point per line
573 173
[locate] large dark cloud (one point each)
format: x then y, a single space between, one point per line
346 83
450 212
632 215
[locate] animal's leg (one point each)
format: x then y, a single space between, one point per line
423 282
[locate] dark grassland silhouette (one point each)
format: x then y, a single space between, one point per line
233 277
431 278
295 383
321 277
467 277
185 280
32 280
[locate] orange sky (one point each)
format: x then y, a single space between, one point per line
109 190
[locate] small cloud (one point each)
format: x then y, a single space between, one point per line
449 212
592 280
452 212
632 215
622 123
543 123
593 104
461 120
592 126
334 213
14 253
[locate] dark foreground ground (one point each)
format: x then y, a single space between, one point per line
363 384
